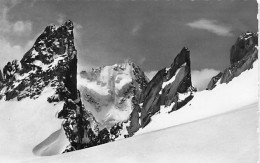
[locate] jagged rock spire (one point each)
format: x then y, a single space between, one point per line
163 89
181 58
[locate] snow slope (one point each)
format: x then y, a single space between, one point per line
230 138
26 123
223 129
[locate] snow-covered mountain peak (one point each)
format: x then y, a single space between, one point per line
107 91
105 74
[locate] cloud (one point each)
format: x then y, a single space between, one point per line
137 27
7 52
201 78
212 26
141 60
18 27
10 51
150 74
22 26
61 18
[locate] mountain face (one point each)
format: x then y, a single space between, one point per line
50 63
242 56
110 102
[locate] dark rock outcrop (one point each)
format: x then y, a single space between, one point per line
1 77
244 45
242 56
9 70
214 80
134 119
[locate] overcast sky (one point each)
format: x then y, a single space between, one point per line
150 33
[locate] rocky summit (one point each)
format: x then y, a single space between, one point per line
242 56
51 61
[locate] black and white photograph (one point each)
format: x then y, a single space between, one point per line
129 81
